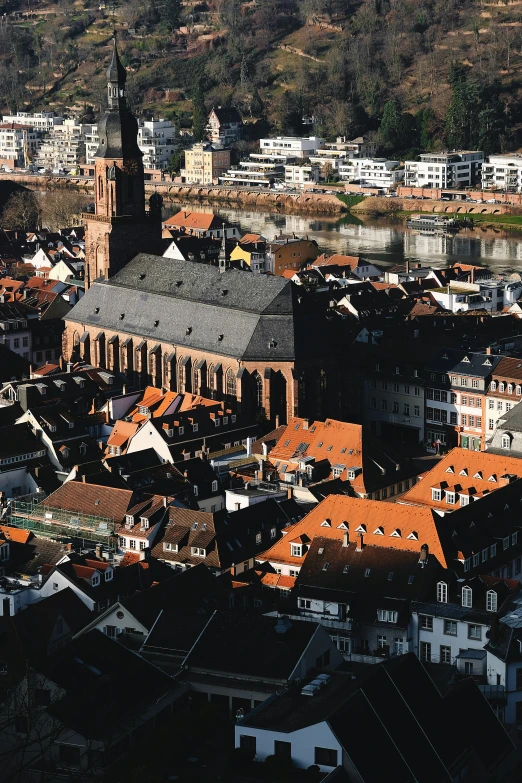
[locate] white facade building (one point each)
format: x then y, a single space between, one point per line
444 170
42 121
503 172
64 148
291 146
156 141
18 143
301 175
259 171
373 172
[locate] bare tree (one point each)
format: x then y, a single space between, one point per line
62 208
21 211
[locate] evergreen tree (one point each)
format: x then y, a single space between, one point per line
390 127
170 13
199 114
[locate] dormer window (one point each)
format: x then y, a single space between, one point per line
95 581
258 538
129 520
181 430
143 410
442 592
464 500
214 486
467 597
225 420
506 441
436 494
273 532
194 428
198 551
510 388
296 550
108 575
493 386
216 422
501 387
519 390
491 601
196 490
450 498
144 523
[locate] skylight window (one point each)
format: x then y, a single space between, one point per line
390 576
346 569
367 572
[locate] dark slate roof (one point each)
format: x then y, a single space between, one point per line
27 559
92 666
247 644
194 304
18 439
227 115
452 361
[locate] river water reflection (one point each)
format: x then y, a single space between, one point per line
386 240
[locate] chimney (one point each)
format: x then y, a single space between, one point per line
233 569
69 547
185 474
419 265
472 274
69 367
264 446
84 478
289 493
488 350
277 420
306 423
124 389
407 266
424 552
360 542
346 538
249 446
99 551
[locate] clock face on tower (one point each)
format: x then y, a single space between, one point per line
130 167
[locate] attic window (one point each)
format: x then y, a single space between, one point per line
188 330
390 576
466 359
379 531
179 283
142 276
463 472
96 310
224 292
367 572
272 344
410 580
156 323
346 568
396 533
413 536
122 316
286 443
220 337
326 523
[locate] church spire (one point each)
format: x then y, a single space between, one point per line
116 78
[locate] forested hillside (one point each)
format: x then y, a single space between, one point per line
425 74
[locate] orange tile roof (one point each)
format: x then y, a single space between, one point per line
249 239
390 525
201 220
277 580
289 273
339 442
84 572
129 558
122 432
16 534
383 286
336 260
46 369
469 472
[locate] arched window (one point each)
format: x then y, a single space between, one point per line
257 390
100 187
502 386
506 441
442 592
491 601
230 383
467 597
493 386
510 388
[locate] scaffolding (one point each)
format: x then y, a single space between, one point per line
59 523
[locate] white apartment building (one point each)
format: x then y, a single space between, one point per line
42 121
444 170
503 172
258 171
373 172
302 175
64 148
18 143
156 139
291 146
338 152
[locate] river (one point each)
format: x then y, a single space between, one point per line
386 241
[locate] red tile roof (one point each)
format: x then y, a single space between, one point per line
466 472
390 525
336 260
198 220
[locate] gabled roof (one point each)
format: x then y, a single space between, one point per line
336 260
413 526
461 471
198 220
92 499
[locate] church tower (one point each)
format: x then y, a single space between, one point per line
120 227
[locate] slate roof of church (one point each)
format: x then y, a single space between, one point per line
231 313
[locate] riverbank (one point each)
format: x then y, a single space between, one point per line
379 205
264 201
